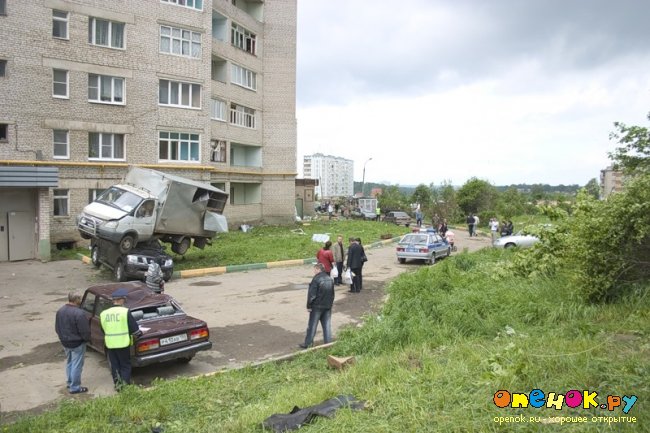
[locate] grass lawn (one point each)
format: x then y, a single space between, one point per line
448 338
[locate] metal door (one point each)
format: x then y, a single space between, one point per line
299 208
22 230
4 238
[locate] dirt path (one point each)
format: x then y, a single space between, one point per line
253 315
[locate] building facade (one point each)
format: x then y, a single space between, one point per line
203 89
610 181
335 175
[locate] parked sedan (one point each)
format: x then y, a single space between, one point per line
399 218
167 332
422 246
517 240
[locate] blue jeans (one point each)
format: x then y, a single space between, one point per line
325 318
73 366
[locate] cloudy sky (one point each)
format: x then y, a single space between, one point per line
510 91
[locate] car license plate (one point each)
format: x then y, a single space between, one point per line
412 250
173 339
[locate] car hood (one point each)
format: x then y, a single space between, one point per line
104 212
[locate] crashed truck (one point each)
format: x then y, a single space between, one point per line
152 205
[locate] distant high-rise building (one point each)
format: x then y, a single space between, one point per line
335 175
610 181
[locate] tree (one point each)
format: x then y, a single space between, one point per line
392 199
476 195
422 195
510 203
593 188
633 156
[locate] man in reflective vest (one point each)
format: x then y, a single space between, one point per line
118 325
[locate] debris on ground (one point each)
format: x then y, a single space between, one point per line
340 362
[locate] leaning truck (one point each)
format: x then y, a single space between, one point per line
151 205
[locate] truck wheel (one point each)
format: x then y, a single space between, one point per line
84 235
167 275
118 271
127 243
94 256
182 246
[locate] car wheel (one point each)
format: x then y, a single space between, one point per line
182 246
94 256
127 243
118 271
509 245
401 260
432 260
448 252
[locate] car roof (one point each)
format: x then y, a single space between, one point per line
138 296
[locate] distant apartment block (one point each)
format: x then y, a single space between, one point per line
204 89
610 181
335 175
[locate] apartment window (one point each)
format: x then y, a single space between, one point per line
61 145
218 109
192 4
178 146
180 42
3 7
3 67
105 89
179 94
242 116
243 77
59 83
218 151
4 132
61 202
105 146
242 38
93 194
60 24
106 33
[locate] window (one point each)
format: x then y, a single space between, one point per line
60 144
243 77
180 42
60 24
3 67
218 151
93 194
105 146
179 94
242 38
218 109
105 89
178 146
192 4
61 201
106 33
3 7
60 83
242 116
4 132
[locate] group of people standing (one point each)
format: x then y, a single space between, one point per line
320 295
472 221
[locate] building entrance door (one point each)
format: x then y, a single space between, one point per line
21 227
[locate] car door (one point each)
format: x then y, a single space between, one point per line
439 245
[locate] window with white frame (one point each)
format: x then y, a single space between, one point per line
106 89
102 145
180 42
179 94
218 109
243 77
178 146
243 39
192 4
60 83
60 144
60 24
105 33
61 201
242 116
218 151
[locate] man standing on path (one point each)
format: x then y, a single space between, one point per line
320 298
470 224
118 325
354 263
339 258
494 228
73 329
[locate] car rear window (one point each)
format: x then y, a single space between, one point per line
155 311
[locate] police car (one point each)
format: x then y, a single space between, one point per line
426 246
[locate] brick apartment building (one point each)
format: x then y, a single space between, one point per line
203 89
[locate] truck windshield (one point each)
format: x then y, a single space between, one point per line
120 199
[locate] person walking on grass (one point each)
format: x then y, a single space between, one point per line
73 329
320 298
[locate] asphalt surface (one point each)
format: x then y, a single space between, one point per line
253 315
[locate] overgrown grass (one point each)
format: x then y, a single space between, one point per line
448 338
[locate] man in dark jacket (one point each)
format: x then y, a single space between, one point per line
320 298
73 329
354 263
